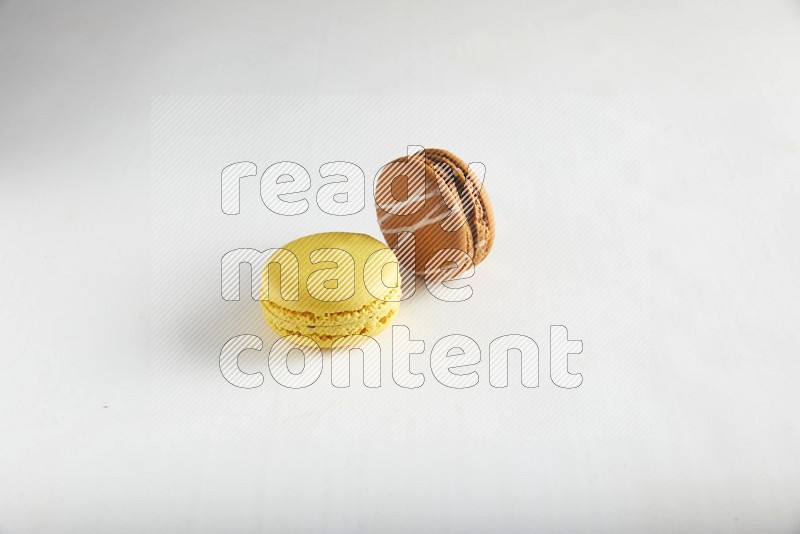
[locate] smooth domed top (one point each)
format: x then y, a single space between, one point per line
330 272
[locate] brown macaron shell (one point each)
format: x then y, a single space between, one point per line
454 214
398 190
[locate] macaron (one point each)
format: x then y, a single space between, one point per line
434 195
330 285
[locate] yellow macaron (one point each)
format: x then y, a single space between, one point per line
330 285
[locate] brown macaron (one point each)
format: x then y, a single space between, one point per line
438 198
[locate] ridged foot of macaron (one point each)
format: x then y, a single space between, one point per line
325 328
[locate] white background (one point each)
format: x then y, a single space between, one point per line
642 159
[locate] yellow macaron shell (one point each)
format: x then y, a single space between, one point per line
330 285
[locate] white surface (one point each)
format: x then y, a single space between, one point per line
662 232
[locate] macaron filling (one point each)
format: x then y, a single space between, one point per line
324 328
461 177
